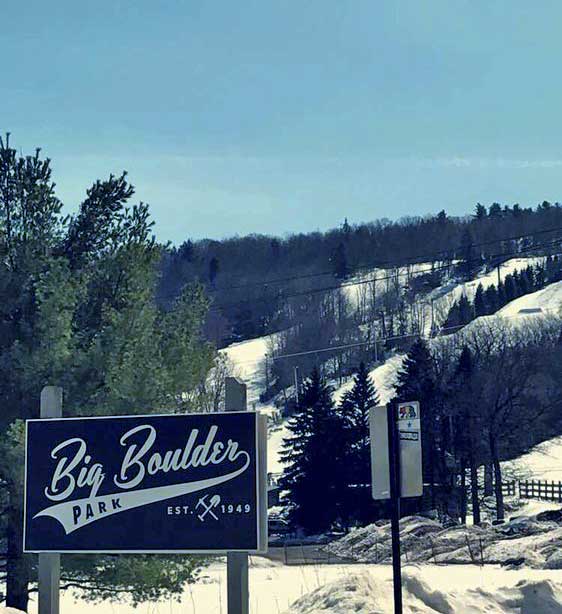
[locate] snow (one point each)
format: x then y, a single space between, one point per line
360 285
5 610
366 592
547 300
445 296
477 590
543 462
274 443
536 543
248 359
384 377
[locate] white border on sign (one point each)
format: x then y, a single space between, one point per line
259 504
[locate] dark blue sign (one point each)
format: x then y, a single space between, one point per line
168 483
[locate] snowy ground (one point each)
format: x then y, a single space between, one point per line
428 589
543 462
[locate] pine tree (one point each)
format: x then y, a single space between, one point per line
502 297
339 262
480 212
467 425
78 311
467 255
355 406
480 302
492 299
510 289
213 269
314 453
416 382
466 310
495 210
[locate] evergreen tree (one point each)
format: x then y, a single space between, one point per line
470 261
355 407
416 382
495 210
314 454
466 310
480 302
539 277
492 299
78 310
502 300
510 289
480 212
339 262
213 269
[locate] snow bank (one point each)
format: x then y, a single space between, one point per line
364 593
5 610
534 541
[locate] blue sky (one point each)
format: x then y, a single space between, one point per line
283 116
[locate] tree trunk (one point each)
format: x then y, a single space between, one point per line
475 495
500 510
17 565
463 492
488 481
499 491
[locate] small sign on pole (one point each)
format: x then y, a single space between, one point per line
396 469
409 434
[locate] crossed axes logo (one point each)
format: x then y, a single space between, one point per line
208 507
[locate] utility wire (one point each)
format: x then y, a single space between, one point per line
384 339
412 260
375 279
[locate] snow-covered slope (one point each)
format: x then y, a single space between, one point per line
248 359
360 285
543 462
547 300
445 296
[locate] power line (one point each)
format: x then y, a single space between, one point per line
385 339
375 279
412 260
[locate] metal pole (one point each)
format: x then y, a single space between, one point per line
394 466
49 562
237 590
297 385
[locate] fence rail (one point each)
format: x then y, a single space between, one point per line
534 489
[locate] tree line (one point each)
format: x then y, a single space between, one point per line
251 279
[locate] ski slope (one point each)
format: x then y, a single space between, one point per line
248 357
445 296
547 300
248 360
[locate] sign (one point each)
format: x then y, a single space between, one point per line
409 438
380 470
409 435
167 483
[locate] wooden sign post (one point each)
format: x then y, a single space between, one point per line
49 562
237 587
